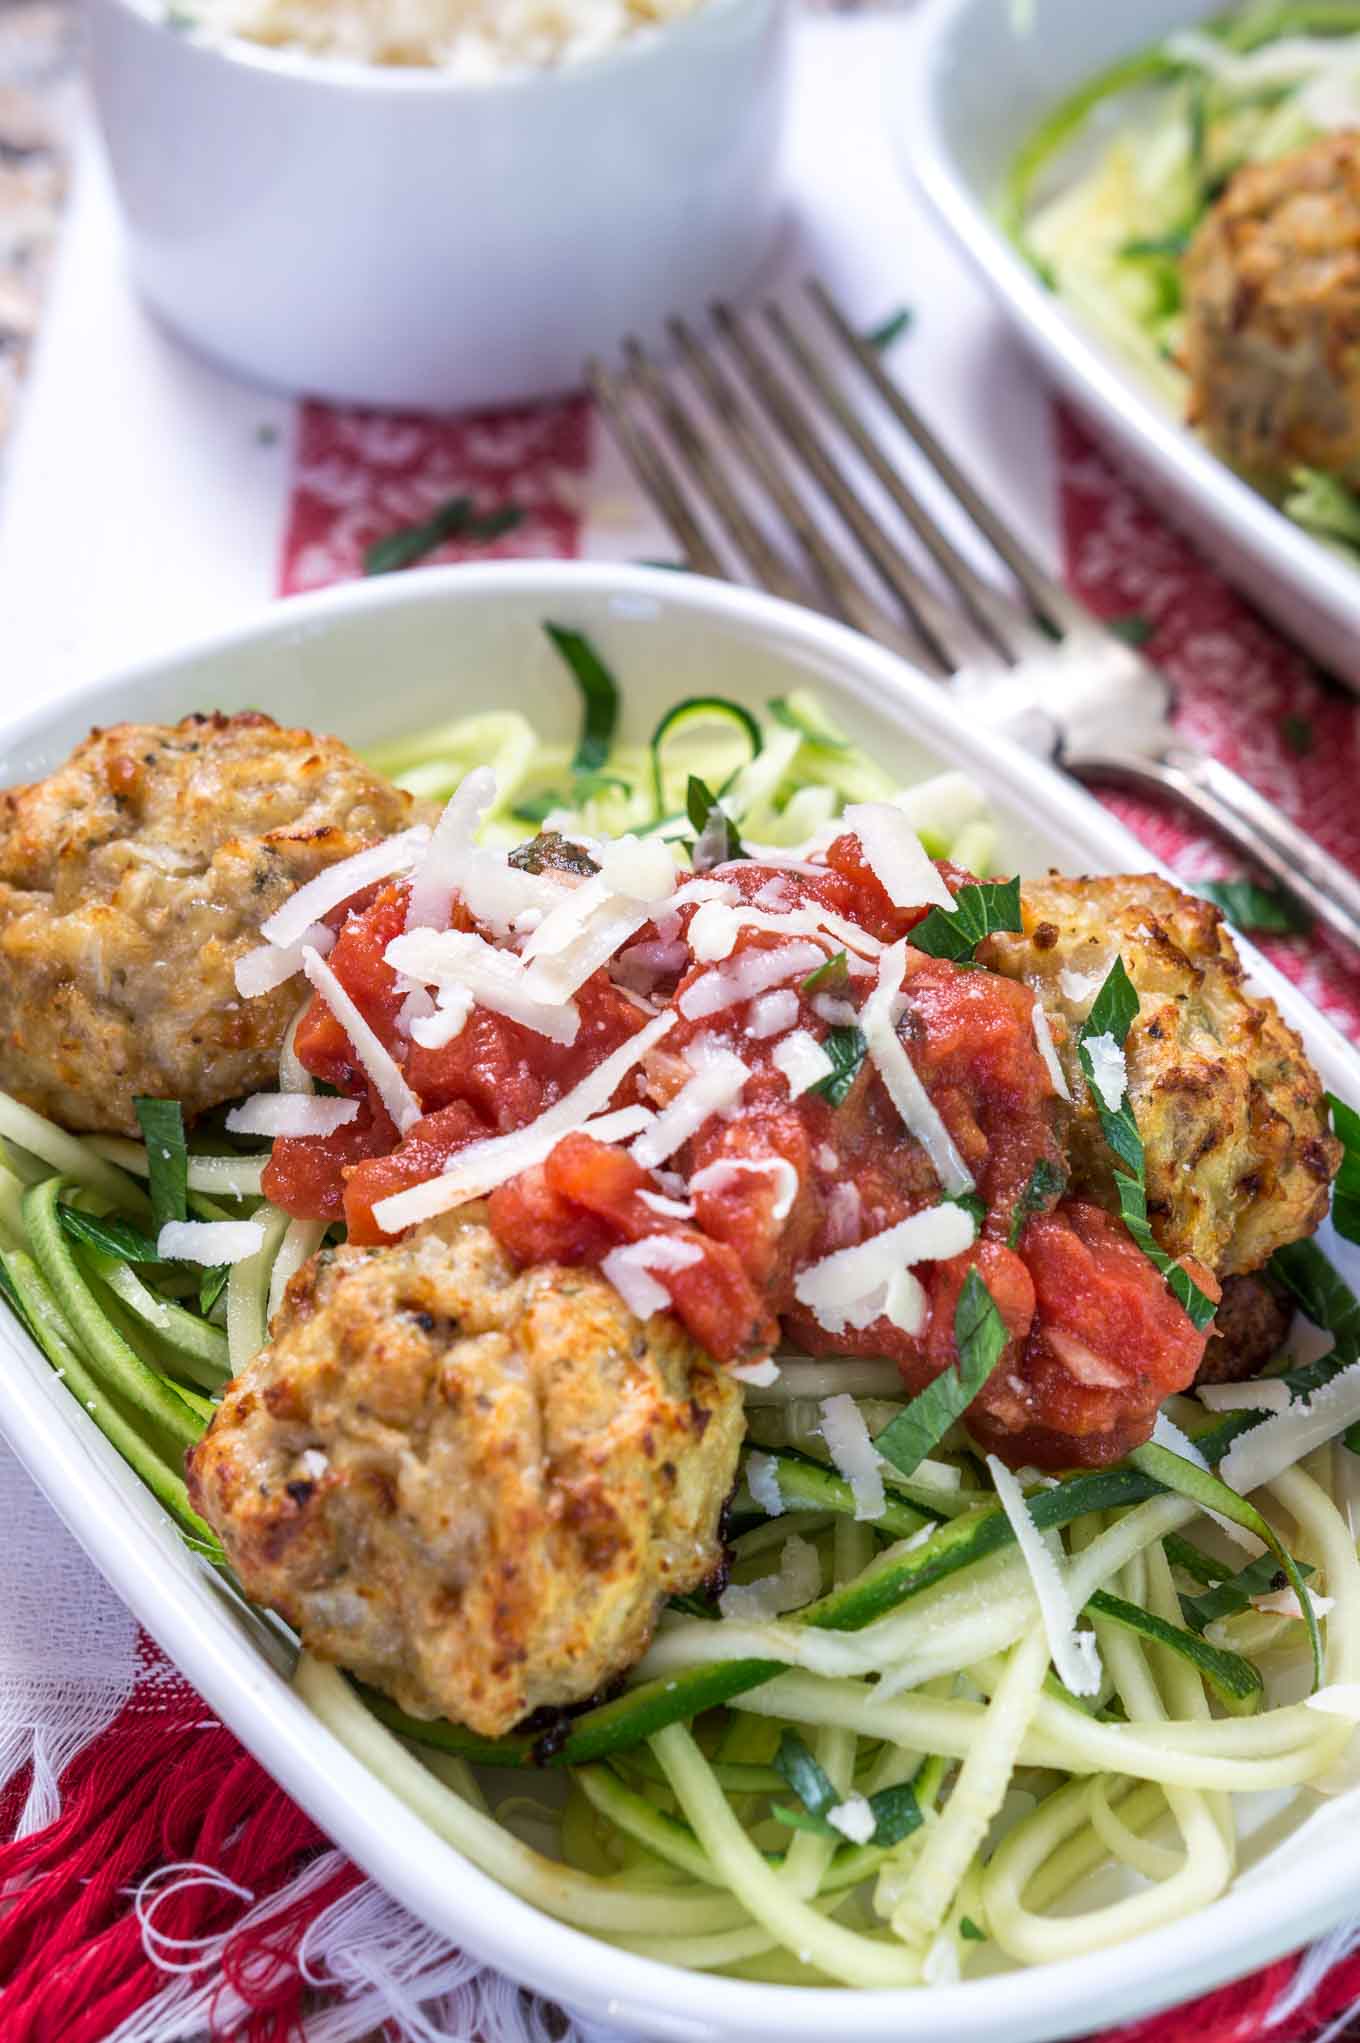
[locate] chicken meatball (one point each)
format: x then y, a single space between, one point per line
131 881
1238 1152
472 1487
1272 299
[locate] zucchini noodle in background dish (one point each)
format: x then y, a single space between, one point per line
937 1696
1196 206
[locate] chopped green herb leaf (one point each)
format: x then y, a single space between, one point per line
113 1237
599 697
456 519
978 910
1173 244
1318 1291
969 1930
1112 1014
835 972
1045 1182
1346 1191
1232 1593
162 1126
716 839
1297 733
1251 907
211 1286
809 1781
1133 627
980 1337
890 329
1191 1560
846 1048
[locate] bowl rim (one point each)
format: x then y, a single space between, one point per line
914 101
645 46
62 1449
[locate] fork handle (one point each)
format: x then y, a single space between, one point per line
1251 823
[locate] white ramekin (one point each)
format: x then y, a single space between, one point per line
396 237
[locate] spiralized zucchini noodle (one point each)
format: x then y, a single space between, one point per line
1105 196
887 1785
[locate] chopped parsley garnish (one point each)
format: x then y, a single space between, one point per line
211 1286
980 1337
599 697
111 1237
896 1811
978 910
1320 1293
162 1126
1255 908
1346 1192
1112 1015
1234 1592
716 838
456 519
1045 1182
825 978
846 1048
890 329
969 1930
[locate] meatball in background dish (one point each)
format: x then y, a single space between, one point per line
1272 315
471 1487
1238 1150
133 878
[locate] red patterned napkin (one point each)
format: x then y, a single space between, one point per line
179 1892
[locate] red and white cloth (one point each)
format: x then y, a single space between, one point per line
154 1885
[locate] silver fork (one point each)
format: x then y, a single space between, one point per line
755 454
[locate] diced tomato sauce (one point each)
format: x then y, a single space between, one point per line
1096 1338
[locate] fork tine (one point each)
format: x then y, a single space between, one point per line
1049 601
839 591
936 625
1005 628
652 471
691 447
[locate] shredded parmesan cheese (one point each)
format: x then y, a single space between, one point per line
461 962
1075 1656
1259 1456
261 970
1259 1394
1043 1042
629 1269
802 1060
1109 1070
290 923
853 1818
798 1581
746 976
296 1114
878 1020
850 1287
209 1241
760 1375
854 1453
477 1169
896 856
722 1175
391 1088
762 1480
772 1013
717 1085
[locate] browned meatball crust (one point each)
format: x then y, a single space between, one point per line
1250 1328
131 881
473 1488
1272 298
1239 1155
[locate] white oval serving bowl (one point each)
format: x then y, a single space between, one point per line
399 237
981 76
403 651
